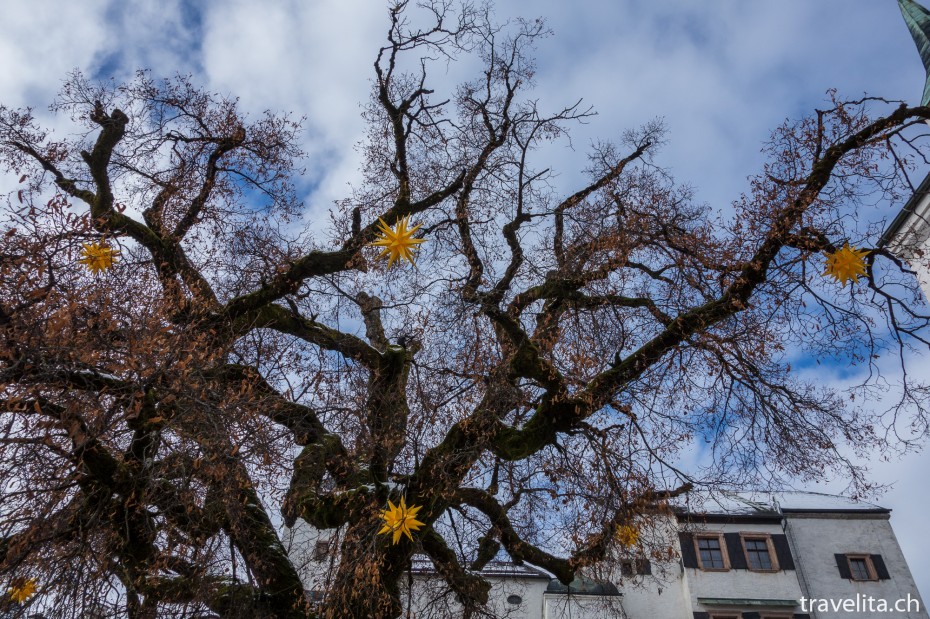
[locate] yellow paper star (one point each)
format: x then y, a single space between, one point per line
846 264
627 535
400 519
397 243
97 257
22 589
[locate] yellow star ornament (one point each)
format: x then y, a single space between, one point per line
846 264
397 243
400 519
97 257
22 589
627 535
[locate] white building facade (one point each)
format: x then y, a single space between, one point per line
790 555
908 236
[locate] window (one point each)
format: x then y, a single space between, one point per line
516 600
716 616
635 567
711 555
861 568
760 553
320 550
315 595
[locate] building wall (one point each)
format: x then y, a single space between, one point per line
430 598
583 607
817 538
663 595
909 238
300 542
673 591
741 583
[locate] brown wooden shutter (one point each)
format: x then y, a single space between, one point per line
843 566
880 570
688 556
783 552
735 550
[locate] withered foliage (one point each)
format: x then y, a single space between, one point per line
534 383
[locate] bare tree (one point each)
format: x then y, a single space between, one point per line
529 384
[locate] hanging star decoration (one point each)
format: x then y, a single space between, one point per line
22 589
627 535
846 264
397 243
97 257
400 519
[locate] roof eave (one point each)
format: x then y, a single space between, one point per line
908 211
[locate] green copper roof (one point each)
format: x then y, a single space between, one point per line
583 586
754 602
917 19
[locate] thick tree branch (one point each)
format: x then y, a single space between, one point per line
285 321
516 547
470 589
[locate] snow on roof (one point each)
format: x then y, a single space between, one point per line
421 564
737 503
730 503
771 503
790 501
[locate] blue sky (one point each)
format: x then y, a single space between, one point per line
722 73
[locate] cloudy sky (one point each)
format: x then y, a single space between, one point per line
722 73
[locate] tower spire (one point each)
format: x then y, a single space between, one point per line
917 19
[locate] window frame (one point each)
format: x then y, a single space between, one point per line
723 551
628 568
631 568
322 549
770 546
869 566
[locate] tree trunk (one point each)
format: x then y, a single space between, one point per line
367 580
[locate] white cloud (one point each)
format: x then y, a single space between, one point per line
313 59
721 73
40 42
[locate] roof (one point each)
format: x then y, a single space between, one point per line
772 505
753 602
911 220
420 564
735 503
583 586
816 502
